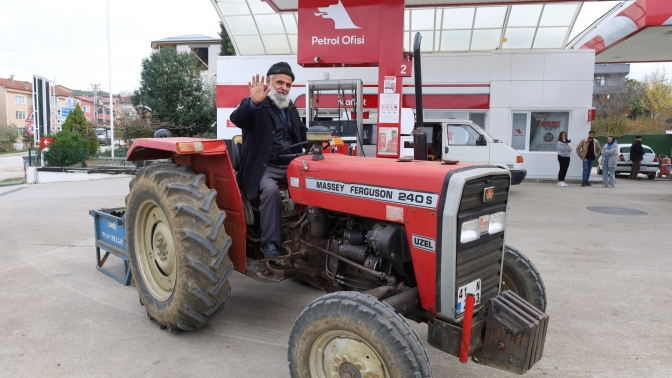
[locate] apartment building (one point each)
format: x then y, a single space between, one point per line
15 101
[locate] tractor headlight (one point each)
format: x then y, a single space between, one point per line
470 231
497 222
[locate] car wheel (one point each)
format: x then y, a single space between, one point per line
651 176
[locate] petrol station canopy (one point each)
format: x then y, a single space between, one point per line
633 31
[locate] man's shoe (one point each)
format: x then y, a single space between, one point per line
271 251
588 184
583 184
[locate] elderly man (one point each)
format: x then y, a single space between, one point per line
270 124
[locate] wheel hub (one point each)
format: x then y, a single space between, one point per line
508 284
342 354
348 370
155 250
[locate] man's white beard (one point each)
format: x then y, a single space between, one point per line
280 100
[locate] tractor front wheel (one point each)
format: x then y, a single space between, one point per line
348 334
177 246
522 277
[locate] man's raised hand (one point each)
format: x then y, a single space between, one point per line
257 91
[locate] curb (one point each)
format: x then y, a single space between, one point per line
11 183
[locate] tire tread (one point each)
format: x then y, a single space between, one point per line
200 236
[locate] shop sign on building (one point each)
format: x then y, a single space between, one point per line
338 32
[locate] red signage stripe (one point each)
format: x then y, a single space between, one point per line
229 96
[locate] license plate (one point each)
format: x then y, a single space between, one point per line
473 287
484 223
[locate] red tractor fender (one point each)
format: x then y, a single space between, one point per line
164 148
211 158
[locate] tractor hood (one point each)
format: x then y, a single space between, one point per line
376 188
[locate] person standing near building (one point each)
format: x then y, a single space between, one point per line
564 152
609 161
588 149
636 156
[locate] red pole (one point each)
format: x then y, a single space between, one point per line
466 329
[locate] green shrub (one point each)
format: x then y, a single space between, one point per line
66 150
8 136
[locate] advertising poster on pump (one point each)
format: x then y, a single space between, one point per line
545 128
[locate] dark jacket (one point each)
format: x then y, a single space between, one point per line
636 151
258 130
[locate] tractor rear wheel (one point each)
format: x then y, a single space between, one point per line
177 246
349 334
522 277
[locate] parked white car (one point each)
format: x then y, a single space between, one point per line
649 165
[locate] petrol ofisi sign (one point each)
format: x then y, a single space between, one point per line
338 32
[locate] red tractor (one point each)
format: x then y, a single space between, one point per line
386 239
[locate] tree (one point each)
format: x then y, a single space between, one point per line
636 90
227 47
78 123
8 136
615 101
171 85
656 94
75 120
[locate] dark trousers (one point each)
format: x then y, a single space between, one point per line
270 209
564 164
634 170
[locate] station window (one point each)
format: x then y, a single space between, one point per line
537 131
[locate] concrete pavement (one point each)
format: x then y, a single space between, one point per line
607 277
11 166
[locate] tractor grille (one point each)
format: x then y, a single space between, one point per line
481 258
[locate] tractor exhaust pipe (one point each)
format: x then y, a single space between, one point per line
419 135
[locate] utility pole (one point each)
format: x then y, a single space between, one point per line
95 102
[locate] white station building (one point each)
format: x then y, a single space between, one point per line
505 92
505 67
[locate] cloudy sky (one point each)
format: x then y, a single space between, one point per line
67 41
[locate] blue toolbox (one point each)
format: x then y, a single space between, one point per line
111 238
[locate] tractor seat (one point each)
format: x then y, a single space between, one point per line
236 152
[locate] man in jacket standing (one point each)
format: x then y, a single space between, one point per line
270 123
588 149
636 156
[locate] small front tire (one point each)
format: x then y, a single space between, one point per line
522 277
352 333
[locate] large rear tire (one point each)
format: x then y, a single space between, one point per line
522 277
352 333
177 246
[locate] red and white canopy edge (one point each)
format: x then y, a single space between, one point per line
636 31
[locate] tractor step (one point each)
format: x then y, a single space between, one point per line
260 271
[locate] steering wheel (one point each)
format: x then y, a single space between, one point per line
291 156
